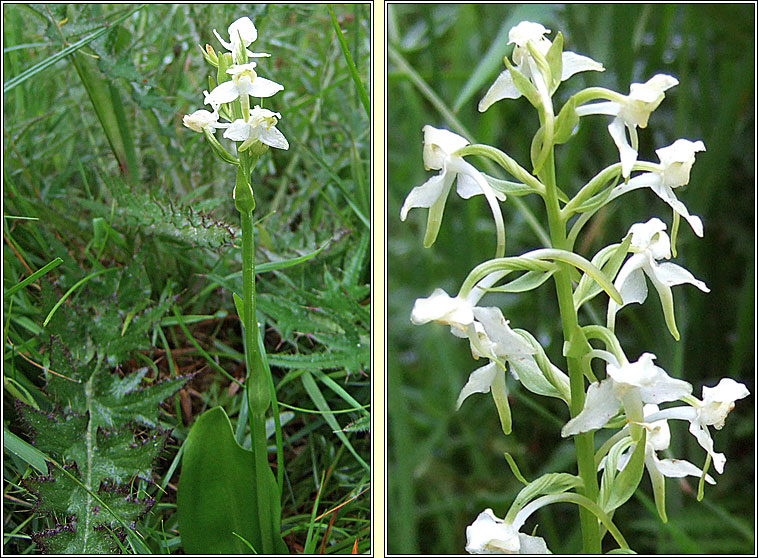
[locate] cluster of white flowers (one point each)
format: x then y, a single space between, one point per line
634 389
256 128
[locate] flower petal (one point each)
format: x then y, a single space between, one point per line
490 535
424 195
627 153
479 381
671 274
442 308
239 130
225 92
599 407
573 63
439 144
274 138
508 344
679 468
262 87
503 88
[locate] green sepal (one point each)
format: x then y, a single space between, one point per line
577 345
224 61
627 481
610 470
522 83
554 57
546 379
210 55
514 469
526 282
542 64
609 261
550 483
508 187
566 122
218 149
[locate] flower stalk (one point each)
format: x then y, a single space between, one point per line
253 130
627 397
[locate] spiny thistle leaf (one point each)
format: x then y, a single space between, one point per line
93 517
180 223
103 432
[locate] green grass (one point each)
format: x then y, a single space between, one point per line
99 172
444 467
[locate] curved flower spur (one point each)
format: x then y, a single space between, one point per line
626 401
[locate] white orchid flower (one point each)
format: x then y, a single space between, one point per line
631 385
495 340
717 403
244 83
489 534
489 336
242 33
658 439
440 307
649 244
674 171
201 120
260 127
520 35
631 111
439 154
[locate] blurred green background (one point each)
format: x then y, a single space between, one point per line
444 467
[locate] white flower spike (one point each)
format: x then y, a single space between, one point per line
489 534
631 111
674 171
649 244
520 35
439 154
260 127
242 33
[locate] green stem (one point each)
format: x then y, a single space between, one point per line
578 345
256 383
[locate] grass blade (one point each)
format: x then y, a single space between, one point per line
33 277
350 64
37 68
318 399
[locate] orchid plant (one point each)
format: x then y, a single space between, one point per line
636 398
253 131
